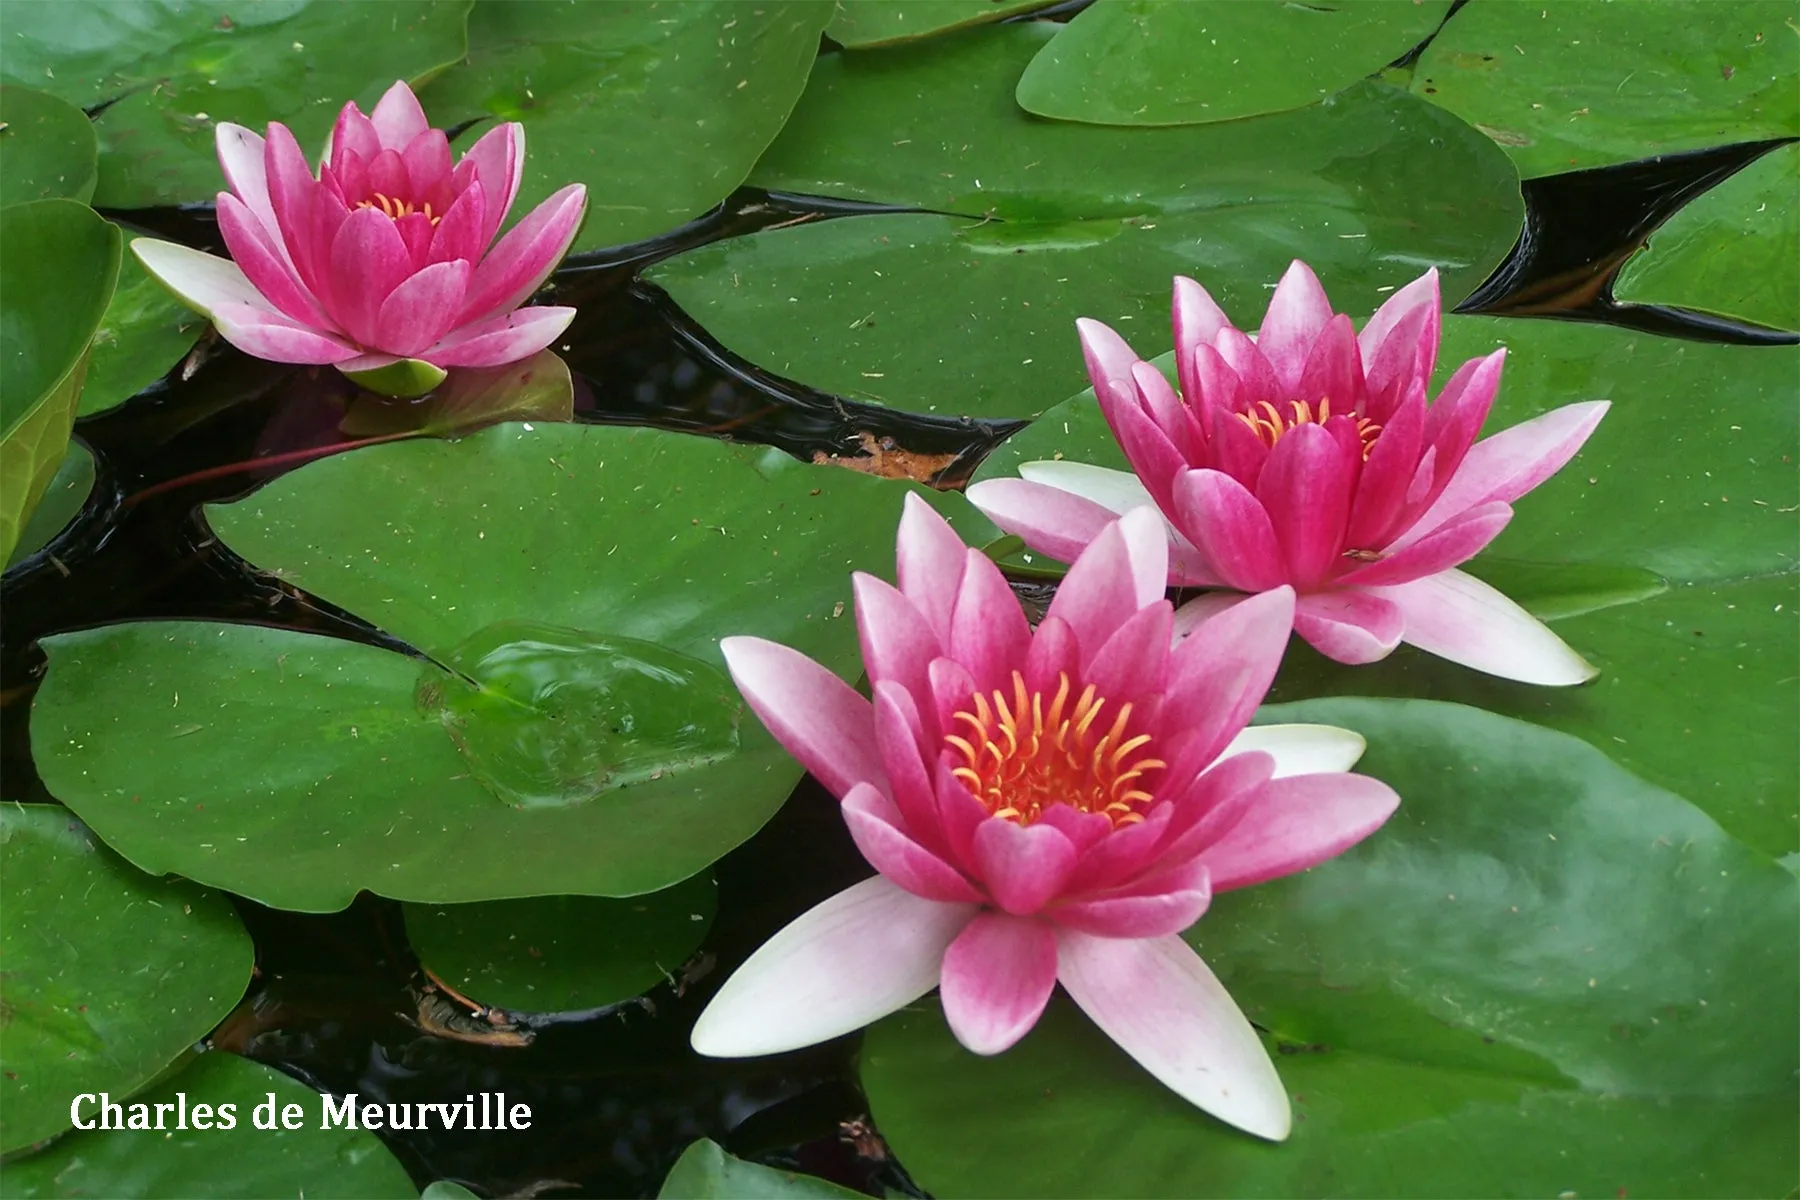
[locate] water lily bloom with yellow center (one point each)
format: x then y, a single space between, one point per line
381 265
1308 457
1044 806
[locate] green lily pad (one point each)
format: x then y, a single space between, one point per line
660 109
1563 85
867 23
175 69
538 389
1683 485
940 314
446 1189
1148 62
1462 1005
610 544
144 333
110 974
239 1159
47 148
62 500
562 953
705 1172
58 263
1732 251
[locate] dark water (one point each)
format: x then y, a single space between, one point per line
616 1096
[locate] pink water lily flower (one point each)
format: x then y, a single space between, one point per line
1044 806
1308 457
381 265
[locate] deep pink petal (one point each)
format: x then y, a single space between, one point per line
898 735
1211 806
929 560
998 975
352 134
1121 856
1456 416
1297 314
1197 320
1153 457
1105 352
427 159
397 118
1350 626
1158 1001
871 817
1400 341
417 313
417 232
253 249
1386 476
1306 488
270 335
503 339
1083 829
1299 822
952 691
1052 521
1122 570
989 634
897 643
387 176
292 190
368 261
497 160
1231 530
1055 654
817 716
1219 675
1452 544
1166 411
1161 907
1023 867
1257 380
960 814
459 234
518 265
1458 617
1512 462
864 953
1132 662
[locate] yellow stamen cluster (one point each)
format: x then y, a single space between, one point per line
399 208
1269 423
1022 755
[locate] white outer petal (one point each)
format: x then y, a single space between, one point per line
1160 1003
199 280
864 953
1458 617
1118 491
1301 749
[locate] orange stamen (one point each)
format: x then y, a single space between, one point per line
1269 423
398 208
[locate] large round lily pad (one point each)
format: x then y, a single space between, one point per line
173 69
58 263
299 1158
1568 84
47 148
1150 62
660 108
562 953
1543 976
1663 553
1734 250
109 974
576 578
953 316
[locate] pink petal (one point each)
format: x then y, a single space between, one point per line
1122 570
1054 655
292 189
503 339
929 560
1158 1001
897 739
1450 545
267 268
1351 626
1456 417
241 159
1209 808
1166 411
1299 822
1297 315
397 118
387 176
1105 352
1257 380
1052 521
1458 617
870 817
1381 490
352 135
1083 829
1023 867
864 953
998 975
518 265
497 160
427 159
368 261
1305 488
817 716
1197 320
416 313
960 814
1400 341
897 643
1152 455
989 634
257 331
1122 855
1168 906
1300 749
1511 463
1133 661
952 691
1195 613
1334 369
459 233
1231 530
1219 675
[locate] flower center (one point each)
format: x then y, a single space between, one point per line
399 208
1022 756
1269 423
